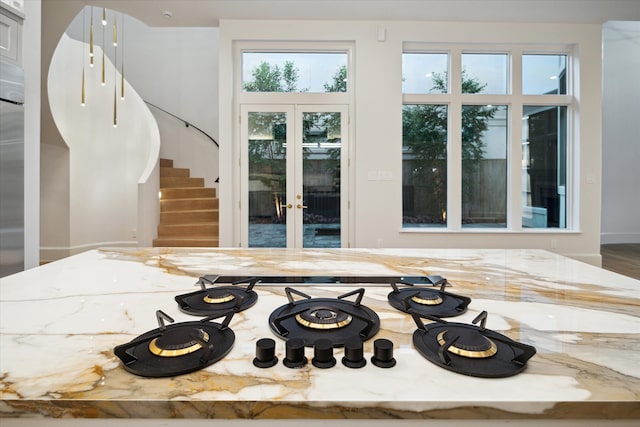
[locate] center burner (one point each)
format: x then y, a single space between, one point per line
336 319
178 348
470 349
427 301
216 300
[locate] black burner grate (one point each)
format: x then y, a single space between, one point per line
178 348
335 319
427 301
470 349
217 300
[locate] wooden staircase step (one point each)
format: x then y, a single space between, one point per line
189 204
188 217
202 230
188 209
170 172
186 242
180 181
187 193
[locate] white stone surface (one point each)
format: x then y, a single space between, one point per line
60 322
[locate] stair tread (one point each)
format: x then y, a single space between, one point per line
189 224
181 242
188 238
192 210
181 224
186 188
197 198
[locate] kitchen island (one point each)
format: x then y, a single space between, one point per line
60 322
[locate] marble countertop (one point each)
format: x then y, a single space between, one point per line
60 322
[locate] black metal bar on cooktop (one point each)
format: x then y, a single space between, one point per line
408 280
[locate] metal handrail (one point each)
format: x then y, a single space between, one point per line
187 124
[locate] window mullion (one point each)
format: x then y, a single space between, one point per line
515 165
454 145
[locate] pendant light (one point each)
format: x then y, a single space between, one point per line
115 71
115 31
90 39
82 55
122 63
103 82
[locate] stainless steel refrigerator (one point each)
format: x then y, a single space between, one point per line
11 169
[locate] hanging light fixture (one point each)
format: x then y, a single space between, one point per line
115 80
115 31
115 72
90 39
122 63
103 82
84 10
115 56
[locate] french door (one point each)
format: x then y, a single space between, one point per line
294 176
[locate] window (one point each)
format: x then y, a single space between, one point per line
484 166
294 72
544 153
424 165
425 73
484 73
459 142
544 74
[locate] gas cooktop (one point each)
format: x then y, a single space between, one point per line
324 323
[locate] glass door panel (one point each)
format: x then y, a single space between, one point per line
293 188
267 172
321 177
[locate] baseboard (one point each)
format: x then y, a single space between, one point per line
619 238
593 259
53 253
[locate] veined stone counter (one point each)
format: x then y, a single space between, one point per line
60 322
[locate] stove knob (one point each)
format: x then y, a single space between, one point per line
353 354
383 353
323 354
295 353
265 353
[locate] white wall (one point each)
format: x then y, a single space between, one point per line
177 70
31 50
156 63
105 162
377 126
621 133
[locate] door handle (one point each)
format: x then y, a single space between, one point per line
299 206
287 206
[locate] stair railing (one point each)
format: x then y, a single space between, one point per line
187 124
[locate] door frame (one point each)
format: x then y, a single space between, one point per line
295 166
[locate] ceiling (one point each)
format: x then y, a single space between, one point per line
207 13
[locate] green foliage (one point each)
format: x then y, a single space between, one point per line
271 78
425 126
424 131
339 81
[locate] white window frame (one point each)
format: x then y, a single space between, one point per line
295 98
514 100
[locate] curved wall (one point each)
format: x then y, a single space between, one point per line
106 163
